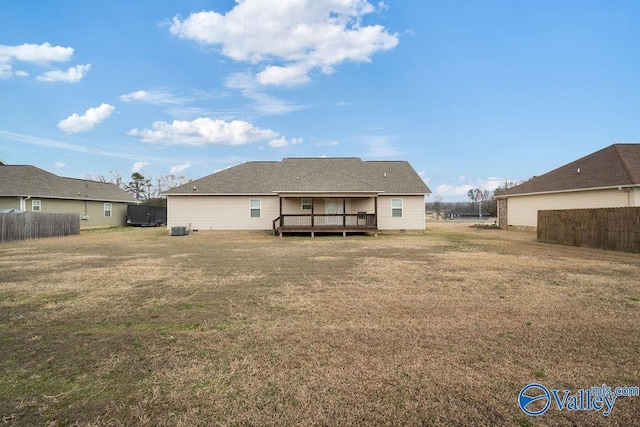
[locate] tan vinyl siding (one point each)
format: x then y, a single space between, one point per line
293 205
92 209
634 197
221 212
233 212
363 205
523 210
412 213
9 203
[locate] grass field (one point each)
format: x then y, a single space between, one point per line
135 327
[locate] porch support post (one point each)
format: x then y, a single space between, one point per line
281 219
313 202
344 213
375 211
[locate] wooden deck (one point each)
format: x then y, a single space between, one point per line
312 223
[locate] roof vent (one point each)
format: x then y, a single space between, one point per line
384 174
578 171
194 188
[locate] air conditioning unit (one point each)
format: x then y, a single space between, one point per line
179 231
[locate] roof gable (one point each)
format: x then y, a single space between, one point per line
26 180
616 165
310 175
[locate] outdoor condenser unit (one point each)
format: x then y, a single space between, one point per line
179 231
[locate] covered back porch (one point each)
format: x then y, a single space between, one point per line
325 213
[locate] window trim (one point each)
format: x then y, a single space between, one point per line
34 203
395 209
252 208
105 210
309 205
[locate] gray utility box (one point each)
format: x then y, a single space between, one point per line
179 231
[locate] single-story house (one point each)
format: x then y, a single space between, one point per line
608 178
466 213
303 195
30 189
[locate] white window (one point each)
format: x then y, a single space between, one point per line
396 208
107 209
306 204
255 208
36 205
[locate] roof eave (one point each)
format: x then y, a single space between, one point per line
88 199
216 194
573 190
278 192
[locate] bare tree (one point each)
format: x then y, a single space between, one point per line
113 177
138 187
437 205
477 195
141 187
170 181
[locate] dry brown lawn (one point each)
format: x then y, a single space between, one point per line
135 327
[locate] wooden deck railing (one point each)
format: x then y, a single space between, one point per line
309 222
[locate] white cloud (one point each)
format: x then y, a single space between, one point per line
381 147
80 123
453 190
72 75
263 103
177 169
291 75
492 183
59 145
290 38
60 165
137 166
204 131
326 144
5 70
156 97
464 184
42 54
283 142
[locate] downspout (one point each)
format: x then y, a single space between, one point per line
627 190
23 204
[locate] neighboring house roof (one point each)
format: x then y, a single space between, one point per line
466 212
24 180
310 175
615 166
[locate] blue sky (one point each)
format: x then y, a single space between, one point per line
470 92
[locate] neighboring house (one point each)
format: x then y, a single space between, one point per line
605 179
303 195
30 189
465 213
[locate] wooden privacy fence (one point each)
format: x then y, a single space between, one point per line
606 228
36 225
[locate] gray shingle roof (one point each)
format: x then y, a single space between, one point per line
25 180
613 166
295 175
